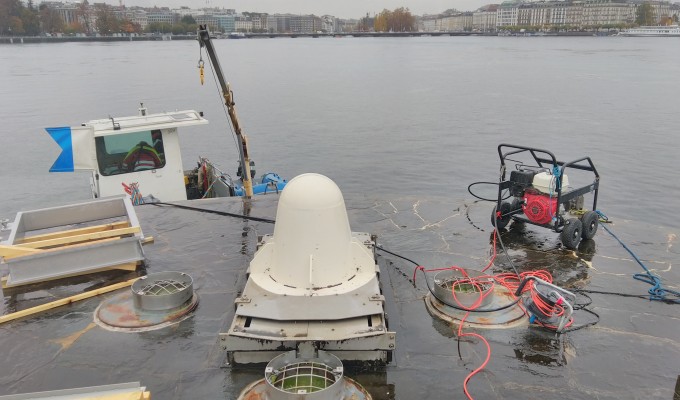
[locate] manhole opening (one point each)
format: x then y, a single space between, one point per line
303 377
463 285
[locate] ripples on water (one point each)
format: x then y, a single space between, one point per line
382 117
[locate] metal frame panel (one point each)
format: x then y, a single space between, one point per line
93 210
52 265
65 261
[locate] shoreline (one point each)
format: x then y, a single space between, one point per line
167 37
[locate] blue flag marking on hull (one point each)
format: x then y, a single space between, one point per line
62 136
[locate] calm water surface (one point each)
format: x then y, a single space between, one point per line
381 117
403 126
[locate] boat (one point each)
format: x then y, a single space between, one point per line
237 35
140 155
660 31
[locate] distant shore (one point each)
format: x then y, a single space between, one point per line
165 37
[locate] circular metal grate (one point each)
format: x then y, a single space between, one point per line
162 287
162 291
303 377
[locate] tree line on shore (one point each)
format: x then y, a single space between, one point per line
28 20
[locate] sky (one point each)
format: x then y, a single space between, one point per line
337 8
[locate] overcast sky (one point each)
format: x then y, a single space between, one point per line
337 8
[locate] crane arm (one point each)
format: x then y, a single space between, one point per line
244 158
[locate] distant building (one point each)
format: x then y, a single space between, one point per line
542 14
225 22
243 24
507 14
161 16
279 23
607 13
484 19
305 24
329 24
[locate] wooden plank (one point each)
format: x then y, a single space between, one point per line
147 240
16 251
64 301
82 238
127 267
53 249
132 395
74 232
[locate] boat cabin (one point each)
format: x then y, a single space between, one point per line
142 152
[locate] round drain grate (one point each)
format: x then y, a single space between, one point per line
162 291
303 377
154 301
290 376
160 288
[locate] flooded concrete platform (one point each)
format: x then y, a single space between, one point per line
633 352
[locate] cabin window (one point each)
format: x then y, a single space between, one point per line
130 152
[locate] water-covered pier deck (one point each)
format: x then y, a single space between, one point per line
633 352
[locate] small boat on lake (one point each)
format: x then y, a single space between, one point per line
140 155
237 35
654 31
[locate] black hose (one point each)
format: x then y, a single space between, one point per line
224 213
469 189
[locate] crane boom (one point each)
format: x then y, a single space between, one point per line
204 41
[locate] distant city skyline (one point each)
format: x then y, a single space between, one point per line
337 8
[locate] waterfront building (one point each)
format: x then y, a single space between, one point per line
607 13
161 16
544 14
329 24
138 16
573 13
484 19
69 12
661 9
279 23
207 19
431 23
243 24
457 23
507 14
534 14
347 25
225 22
305 23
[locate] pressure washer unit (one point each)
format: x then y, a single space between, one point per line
541 194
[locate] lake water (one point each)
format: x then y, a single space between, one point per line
380 116
403 126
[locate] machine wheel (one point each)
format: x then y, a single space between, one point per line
571 233
501 223
590 221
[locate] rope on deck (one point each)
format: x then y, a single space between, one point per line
657 292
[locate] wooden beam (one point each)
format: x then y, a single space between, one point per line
67 240
64 301
73 232
132 395
16 251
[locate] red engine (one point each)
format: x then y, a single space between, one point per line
539 208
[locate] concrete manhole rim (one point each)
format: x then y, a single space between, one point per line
186 314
